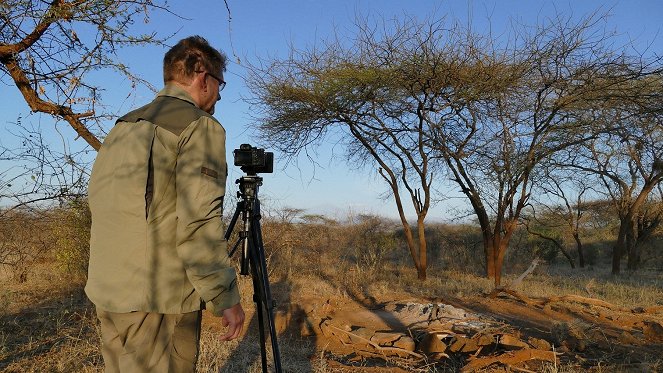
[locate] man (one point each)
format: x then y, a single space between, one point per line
157 252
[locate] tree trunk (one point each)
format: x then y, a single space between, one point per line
633 262
581 254
499 261
421 274
495 259
632 230
409 238
490 258
616 258
407 230
423 261
633 242
619 248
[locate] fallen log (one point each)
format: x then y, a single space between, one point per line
512 342
653 309
584 300
653 331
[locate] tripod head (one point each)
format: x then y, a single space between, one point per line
248 187
249 206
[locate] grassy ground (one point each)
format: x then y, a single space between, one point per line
47 325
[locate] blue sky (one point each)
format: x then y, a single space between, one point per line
267 28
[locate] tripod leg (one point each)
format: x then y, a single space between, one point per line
253 255
261 288
231 225
257 299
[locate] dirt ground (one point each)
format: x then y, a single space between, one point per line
499 332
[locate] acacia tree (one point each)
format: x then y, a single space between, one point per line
628 160
49 48
495 149
372 95
50 51
409 98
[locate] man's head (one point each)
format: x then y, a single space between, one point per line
193 64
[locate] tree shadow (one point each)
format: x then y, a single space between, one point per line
368 302
296 344
33 333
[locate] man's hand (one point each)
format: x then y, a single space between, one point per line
233 318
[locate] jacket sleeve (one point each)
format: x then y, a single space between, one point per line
200 185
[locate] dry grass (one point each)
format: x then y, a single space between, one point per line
47 324
53 329
643 289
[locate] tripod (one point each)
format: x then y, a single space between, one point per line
253 256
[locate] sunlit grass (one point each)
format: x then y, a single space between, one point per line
49 326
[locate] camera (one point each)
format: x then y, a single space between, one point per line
253 160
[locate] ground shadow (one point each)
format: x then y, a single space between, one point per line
34 332
296 350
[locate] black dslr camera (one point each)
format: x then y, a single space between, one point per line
253 160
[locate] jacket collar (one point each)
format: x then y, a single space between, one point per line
173 90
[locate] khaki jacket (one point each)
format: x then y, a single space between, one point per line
156 195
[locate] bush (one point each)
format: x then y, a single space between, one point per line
370 239
70 227
455 247
24 240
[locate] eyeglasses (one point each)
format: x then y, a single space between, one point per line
222 84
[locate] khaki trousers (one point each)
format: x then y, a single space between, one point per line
144 342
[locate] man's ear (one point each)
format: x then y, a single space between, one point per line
202 81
